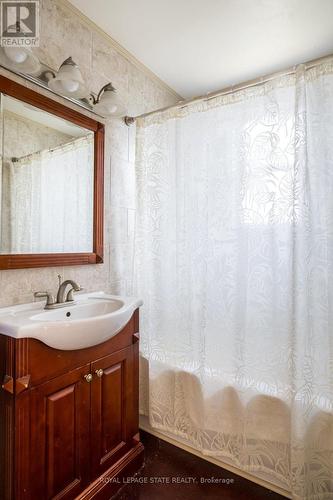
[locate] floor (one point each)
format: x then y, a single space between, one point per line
171 473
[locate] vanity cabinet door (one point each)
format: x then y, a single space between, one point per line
60 420
112 408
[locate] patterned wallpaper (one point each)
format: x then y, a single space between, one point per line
63 34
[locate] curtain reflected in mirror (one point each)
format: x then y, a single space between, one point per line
47 182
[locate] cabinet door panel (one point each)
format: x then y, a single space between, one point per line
60 436
112 409
111 405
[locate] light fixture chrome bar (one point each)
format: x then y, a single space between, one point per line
42 81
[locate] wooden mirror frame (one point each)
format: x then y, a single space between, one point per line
21 261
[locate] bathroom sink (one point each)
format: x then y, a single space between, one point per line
81 310
94 318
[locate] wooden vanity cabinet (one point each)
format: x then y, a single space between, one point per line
69 419
60 426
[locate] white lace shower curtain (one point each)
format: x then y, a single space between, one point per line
47 200
234 261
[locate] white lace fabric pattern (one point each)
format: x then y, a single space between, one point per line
49 196
234 262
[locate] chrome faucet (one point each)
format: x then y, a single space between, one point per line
51 303
62 290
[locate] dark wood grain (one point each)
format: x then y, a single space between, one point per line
7 370
60 414
110 409
22 446
60 436
42 363
111 481
20 261
99 193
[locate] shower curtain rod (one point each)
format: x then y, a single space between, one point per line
129 120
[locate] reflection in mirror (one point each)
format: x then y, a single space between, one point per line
47 178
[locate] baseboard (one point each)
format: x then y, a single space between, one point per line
107 485
144 425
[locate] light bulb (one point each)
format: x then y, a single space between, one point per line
16 54
70 85
111 108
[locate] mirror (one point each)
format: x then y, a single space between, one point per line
51 182
47 182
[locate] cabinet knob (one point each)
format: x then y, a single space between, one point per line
88 377
99 372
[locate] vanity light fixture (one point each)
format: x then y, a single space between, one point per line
108 103
68 81
20 59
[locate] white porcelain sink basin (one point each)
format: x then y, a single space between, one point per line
82 310
94 318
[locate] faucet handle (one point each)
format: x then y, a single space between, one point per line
49 297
